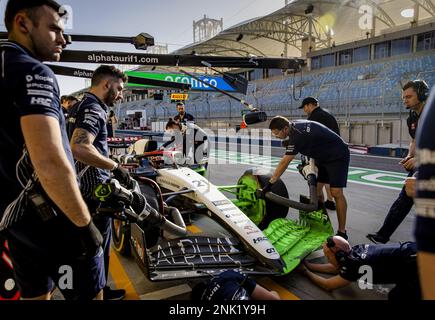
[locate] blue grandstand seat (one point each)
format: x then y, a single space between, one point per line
277 95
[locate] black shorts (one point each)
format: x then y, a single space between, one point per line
335 172
47 255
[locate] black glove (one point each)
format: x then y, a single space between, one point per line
122 175
261 193
91 239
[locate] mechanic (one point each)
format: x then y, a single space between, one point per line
371 264
316 141
43 215
88 134
231 285
415 94
67 102
182 116
425 200
316 113
173 136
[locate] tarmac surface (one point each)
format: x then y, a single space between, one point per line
373 188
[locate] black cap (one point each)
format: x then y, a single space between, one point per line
309 100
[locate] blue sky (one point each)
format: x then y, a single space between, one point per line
168 21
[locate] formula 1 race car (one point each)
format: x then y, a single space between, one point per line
221 233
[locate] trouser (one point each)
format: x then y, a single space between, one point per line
104 225
49 254
397 213
407 280
406 290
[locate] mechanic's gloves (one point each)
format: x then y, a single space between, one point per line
310 170
261 193
91 239
121 175
306 169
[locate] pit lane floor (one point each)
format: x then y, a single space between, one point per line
368 202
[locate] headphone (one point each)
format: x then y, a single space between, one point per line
422 89
340 255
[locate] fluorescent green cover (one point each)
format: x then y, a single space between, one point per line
294 240
201 170
257 209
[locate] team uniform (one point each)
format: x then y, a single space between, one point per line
389 264
38 248
187 117
425 201
330 152
403 204
90 114
322 116
229 285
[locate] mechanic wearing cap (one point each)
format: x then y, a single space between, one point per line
182 116
415 94
316 113
425 200
231 285
374 264
87 130
316 141
42 213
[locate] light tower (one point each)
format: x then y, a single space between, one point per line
206 28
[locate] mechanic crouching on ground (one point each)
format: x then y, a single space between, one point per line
370 264
88 134
330 152
43 215
231 285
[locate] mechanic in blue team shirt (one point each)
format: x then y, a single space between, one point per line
88 134
231 285
66 103
415 94
311 107
425 200
183 117
370 264
42 213
330 152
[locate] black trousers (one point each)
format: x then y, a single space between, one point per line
397 213
104 225
408 289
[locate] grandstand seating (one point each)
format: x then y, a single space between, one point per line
364 88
